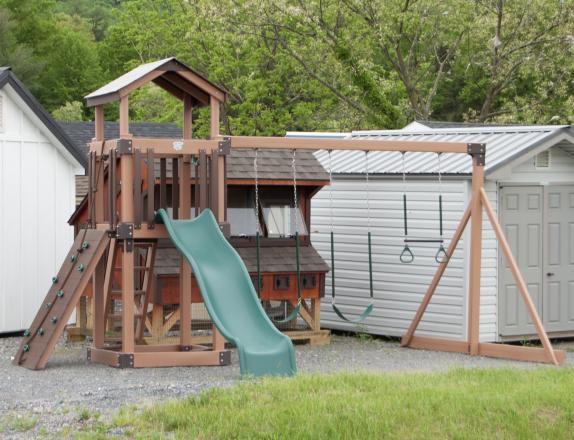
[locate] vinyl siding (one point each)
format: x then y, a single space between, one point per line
36 198
398 287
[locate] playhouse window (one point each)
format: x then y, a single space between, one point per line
283 221
241 212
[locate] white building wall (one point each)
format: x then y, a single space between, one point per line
398 288
36 199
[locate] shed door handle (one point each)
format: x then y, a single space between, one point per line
550 274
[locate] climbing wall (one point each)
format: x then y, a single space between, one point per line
67 287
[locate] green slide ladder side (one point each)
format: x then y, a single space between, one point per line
230 297
67 286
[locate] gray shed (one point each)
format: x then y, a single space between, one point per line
530 181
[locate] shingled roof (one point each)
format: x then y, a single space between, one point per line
271 164
276 259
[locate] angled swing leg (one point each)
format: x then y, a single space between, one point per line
549 351
408 336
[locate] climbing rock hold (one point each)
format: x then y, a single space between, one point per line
54 319
48 305
85 245
26 348
80 268
60 293
41 331
73 258
27 332
54 280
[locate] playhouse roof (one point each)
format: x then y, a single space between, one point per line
170 74
8 77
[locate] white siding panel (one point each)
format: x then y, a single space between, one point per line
36 199
398 288
561 170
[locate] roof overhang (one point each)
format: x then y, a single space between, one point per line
170 74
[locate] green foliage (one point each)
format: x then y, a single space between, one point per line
70 111
306 65
465 404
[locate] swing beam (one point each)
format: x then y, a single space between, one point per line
479 202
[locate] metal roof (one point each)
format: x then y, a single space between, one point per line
504 144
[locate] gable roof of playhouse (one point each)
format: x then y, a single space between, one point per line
505 146
170 74
7 77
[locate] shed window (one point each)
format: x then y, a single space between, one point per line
280 217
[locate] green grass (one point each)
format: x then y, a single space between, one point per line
19 423
459 404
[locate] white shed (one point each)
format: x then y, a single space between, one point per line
530 180
38 163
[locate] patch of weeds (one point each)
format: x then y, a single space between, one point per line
362 334
84 415
21 423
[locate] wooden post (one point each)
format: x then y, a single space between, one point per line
99 168
475 256
408 336
99 303
521 284
185 213
218 341
127 216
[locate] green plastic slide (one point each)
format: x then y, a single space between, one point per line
230 297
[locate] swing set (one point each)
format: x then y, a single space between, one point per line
474 214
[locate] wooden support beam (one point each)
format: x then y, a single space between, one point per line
406 339
273 143
520 353
185 269
150 188
203 201
99 303
428 343
124 118
475 257
521 284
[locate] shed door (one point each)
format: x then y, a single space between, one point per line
558 298
522 222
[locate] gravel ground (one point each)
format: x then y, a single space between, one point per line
72 393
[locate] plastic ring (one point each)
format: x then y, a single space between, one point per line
441 256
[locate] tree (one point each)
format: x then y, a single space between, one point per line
70 111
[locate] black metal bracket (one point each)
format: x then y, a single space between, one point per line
125 231
478 151
225 357
89 354
224 146
125 360
124 146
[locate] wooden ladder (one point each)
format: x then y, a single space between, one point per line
144 255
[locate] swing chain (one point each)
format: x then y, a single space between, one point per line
255 167
294 167
406 255
368 191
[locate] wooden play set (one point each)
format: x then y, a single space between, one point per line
126 220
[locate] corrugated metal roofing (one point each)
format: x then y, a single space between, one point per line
503 144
